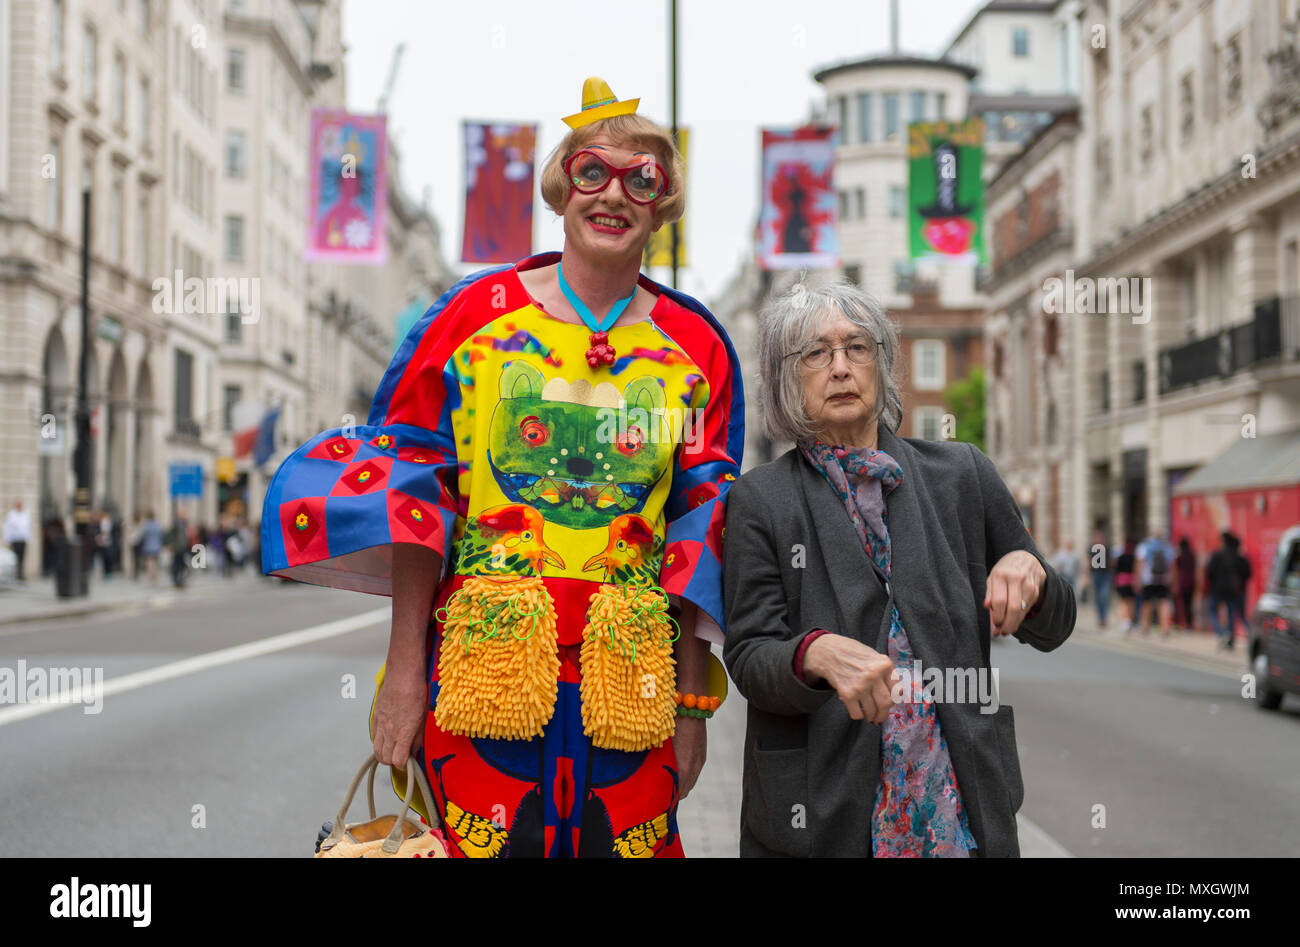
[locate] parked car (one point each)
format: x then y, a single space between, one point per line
1275 627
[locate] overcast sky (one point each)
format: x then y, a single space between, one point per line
742 65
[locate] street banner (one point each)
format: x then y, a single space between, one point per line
498 192
797 217
945 191
246 421
265 447
348 196
659 252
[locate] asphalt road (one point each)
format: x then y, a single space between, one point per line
266 744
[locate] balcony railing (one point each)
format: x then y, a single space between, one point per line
1230 350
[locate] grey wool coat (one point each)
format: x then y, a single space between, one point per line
793 563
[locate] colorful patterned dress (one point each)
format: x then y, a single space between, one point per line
568 503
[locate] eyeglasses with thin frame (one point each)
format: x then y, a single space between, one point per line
819 355
643 182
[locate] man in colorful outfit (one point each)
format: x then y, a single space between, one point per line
544 472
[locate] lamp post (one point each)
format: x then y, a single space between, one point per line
83 456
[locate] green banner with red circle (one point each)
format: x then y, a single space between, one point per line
945 191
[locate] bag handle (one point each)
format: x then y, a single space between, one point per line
415 777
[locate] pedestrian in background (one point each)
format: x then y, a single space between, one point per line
1226 575
1124 585
1185 575
180 544
133 536
1155 565
1066 562
18 533
151 543
1101 577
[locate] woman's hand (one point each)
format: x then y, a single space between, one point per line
400 713
863 678
690 744
1014 587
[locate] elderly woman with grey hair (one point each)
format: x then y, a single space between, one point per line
873 568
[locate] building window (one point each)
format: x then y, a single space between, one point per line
143 9
234 323
928 357
234 238
918 106
184 392
1232 71
146 106
860 196
1019 42
844 205
142 235
864 116
897 199
891 116
842 117
56 37
231 396
1146 136
940 106
903 272
236 144
853 273
115 223
1186 107
235 70
1189 300
89 63
928 423
55 209
119 90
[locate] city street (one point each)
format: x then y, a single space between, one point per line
265 744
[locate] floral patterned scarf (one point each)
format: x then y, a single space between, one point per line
918 811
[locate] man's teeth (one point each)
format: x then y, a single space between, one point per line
610 222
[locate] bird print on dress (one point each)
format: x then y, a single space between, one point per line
632 553
506 540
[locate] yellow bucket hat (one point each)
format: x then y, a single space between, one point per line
599 101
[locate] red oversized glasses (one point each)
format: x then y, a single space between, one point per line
643 183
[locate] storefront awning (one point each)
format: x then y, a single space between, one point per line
1271 460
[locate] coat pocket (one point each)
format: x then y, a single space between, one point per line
1005 722
776 810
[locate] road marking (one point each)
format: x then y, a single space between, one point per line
1035 843
202 662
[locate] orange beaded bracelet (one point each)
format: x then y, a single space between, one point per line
702 702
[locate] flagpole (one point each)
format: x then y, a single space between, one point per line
672 72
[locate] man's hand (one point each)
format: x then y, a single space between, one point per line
1015 585
690 744
863 678
400 713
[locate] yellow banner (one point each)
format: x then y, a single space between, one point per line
660 250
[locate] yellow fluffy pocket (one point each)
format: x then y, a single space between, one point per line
628 674
498 668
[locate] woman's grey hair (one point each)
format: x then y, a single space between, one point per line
789 322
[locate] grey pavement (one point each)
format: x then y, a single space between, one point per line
36 599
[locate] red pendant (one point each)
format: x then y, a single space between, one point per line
600 351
